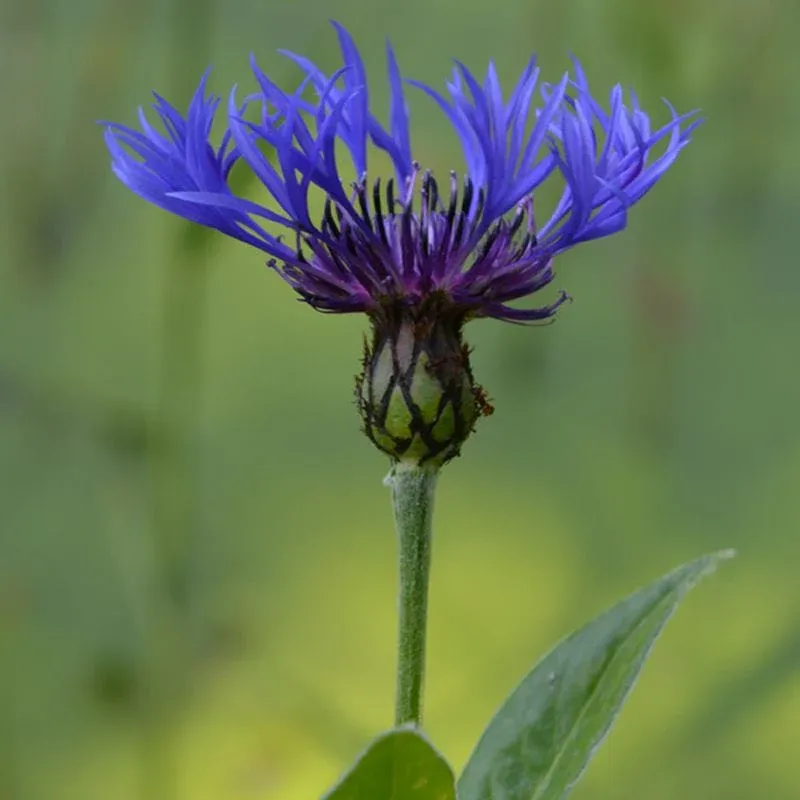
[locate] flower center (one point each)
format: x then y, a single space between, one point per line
382 246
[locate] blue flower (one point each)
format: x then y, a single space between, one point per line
419 256
474 243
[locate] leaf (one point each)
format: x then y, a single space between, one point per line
540 741
400 765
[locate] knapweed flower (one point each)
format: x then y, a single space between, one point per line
419 255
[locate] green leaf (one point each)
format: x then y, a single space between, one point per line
400 765
542 738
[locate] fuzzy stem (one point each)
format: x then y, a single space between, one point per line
412 495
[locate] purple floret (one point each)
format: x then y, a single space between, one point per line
473 242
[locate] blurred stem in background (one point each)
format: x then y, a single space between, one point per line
412 496
173 447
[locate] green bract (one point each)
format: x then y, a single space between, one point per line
417 397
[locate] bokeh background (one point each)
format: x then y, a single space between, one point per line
196 555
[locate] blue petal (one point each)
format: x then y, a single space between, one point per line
399 144
358 114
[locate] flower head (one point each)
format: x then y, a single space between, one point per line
419 255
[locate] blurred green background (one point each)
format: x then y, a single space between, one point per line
196 555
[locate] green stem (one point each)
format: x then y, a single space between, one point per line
412 495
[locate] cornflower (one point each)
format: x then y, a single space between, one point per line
418 255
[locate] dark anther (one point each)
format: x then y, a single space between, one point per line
329 220
299 247
425 188
423 242
459 230
515 225
423 239
481 203
378 205
524 245
469 190
451 208
390 197
350 240
376 199
362 204
433 192
406 223
490 240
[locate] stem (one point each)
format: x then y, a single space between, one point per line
412 495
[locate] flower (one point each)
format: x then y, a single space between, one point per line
419 256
